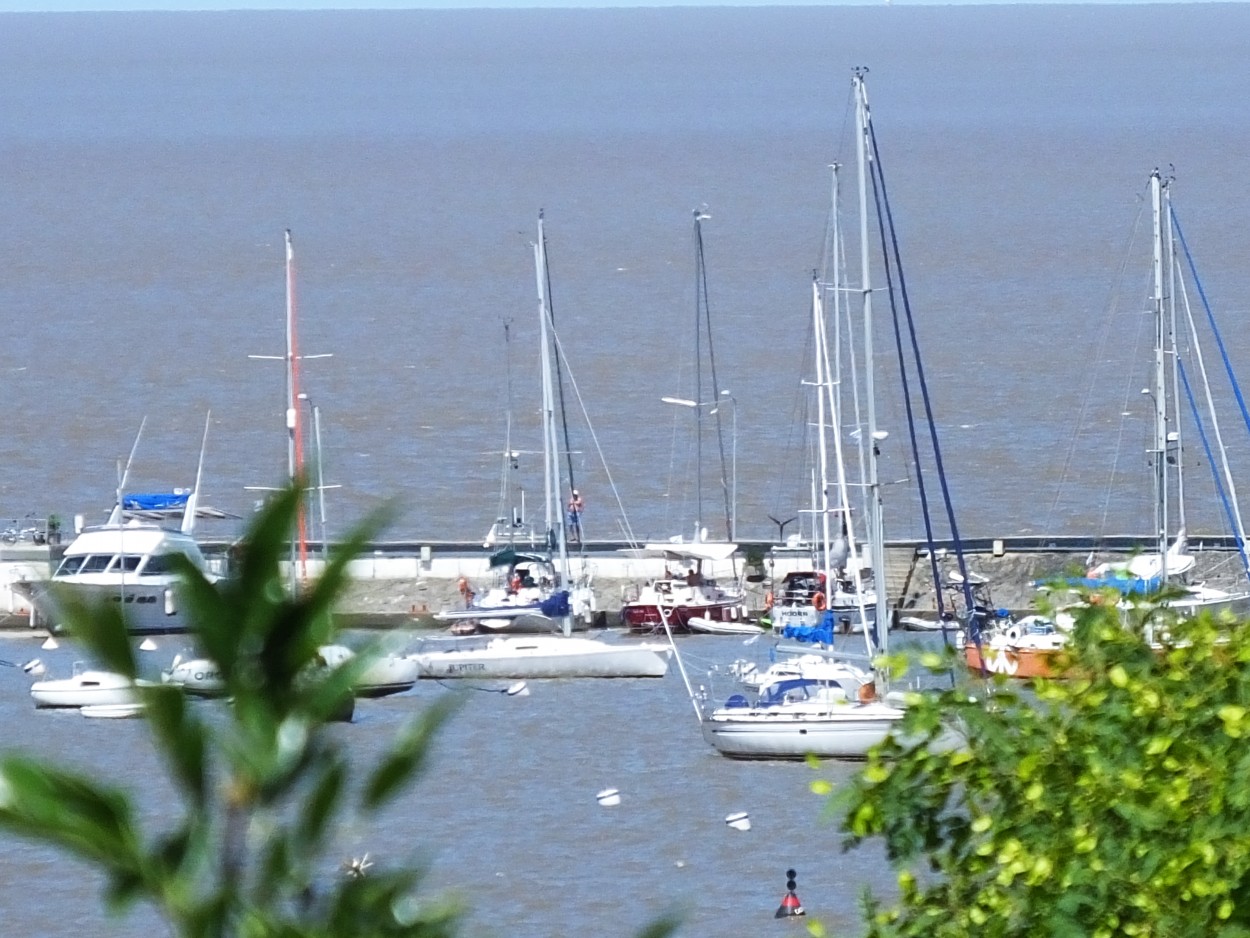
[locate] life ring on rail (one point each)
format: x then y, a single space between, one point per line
1013 634
818 602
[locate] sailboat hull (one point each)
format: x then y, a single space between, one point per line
1013 662
785 733
524 658
648 617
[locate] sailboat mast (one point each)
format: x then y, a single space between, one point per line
1174 442
295 441
551 451
875 526
698 374
1159 395
822 394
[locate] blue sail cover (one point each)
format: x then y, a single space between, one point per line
157 501
819 634
1119 580
556 606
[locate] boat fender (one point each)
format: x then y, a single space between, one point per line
818 602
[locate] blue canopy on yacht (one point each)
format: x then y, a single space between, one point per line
156 501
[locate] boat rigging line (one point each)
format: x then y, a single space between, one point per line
894 275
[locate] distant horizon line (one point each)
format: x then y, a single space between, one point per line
309 6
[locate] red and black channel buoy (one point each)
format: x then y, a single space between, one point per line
790 904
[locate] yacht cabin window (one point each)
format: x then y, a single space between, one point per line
158 563
69 566
96 563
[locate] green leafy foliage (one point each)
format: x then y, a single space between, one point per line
1115 801
261 790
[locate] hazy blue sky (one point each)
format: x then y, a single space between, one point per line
10 6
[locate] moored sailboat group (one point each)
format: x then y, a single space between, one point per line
821 699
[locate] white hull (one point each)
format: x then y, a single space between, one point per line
113 711
389 674
781 733
713 627
383 676
917 624
386 676
523 658
148 607
87 689
198 677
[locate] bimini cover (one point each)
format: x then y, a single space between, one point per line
704 550
156 501
507 557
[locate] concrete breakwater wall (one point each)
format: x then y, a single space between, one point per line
396 584
417 590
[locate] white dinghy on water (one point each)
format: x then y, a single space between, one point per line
129 711
382 676
198 677
85 688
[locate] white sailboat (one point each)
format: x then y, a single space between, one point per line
1027 653
839 592
535 590
1168 564
823 703
554 655
689 590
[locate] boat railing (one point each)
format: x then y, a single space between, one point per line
833 654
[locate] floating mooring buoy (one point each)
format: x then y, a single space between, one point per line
741 821
609 798
790 905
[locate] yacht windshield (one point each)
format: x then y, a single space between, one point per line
159 563
96 563
69 566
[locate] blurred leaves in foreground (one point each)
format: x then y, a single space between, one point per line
260 789
1115 801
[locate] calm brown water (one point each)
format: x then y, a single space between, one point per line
507 816
152 161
